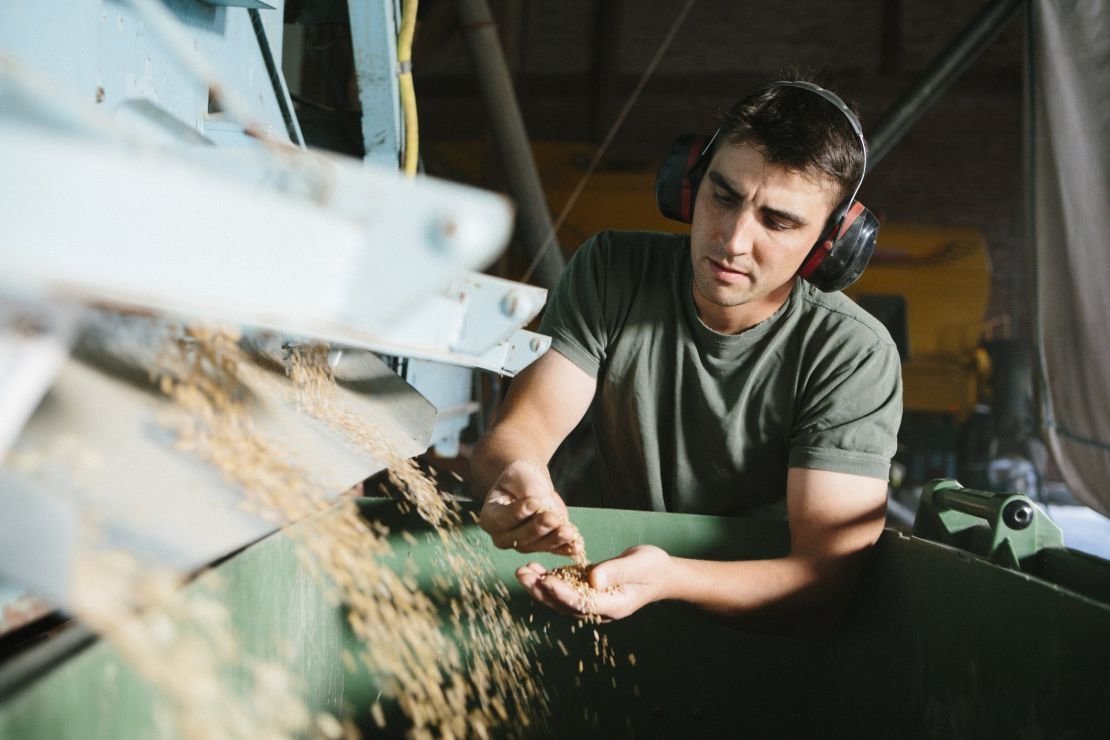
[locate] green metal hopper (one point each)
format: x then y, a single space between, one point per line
938 643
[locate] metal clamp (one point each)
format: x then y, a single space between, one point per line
1006 528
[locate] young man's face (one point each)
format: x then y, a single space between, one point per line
754 224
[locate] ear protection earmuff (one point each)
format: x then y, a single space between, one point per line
848 240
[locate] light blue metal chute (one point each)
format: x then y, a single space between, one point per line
161 171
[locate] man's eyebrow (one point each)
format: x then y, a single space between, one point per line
790 218
722 182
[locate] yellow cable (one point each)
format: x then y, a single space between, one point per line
404 82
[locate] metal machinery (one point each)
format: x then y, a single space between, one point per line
154 172
151 171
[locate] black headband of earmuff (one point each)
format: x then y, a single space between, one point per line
840 106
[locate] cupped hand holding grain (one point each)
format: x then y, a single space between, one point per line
523 512
615 588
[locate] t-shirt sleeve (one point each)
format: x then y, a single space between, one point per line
574 317
848 422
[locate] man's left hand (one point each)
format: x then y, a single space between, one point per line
620 586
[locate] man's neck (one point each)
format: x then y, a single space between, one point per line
738 319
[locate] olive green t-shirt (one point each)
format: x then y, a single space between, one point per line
690 420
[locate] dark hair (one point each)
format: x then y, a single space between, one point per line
799 130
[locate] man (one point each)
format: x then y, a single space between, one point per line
720 381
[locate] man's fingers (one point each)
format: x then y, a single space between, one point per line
561 590
559 538
550 591
499 498
532 578
558 591
530 573
569 550
500 514
534 567
525 536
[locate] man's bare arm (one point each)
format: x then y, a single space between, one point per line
544 404
834 518
521 509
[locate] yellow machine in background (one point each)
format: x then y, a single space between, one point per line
942 278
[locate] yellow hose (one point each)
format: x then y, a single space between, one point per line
404 82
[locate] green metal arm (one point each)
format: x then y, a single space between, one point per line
1014 529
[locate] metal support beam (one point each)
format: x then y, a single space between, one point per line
374 42
942 72
277 79
534 220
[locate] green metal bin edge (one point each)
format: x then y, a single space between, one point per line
937 642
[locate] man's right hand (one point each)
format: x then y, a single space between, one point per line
523 512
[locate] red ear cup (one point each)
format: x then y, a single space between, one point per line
842 254
676 185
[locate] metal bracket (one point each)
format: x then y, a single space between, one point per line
374 43
1006 528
